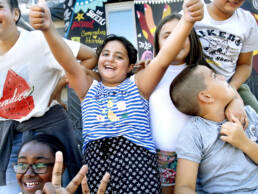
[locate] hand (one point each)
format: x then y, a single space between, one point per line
236 109
193 10
141 65
55 186
233 133
56 94
40 16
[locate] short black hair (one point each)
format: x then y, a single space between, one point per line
51 141
14 4
185 88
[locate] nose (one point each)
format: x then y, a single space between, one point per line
110 57
29 172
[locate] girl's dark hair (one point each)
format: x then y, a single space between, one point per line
131 50
14 5
51 141
195 55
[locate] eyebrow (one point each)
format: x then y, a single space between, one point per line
37 158
166 33
117 52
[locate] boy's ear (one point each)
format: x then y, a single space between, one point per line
205 97
17 14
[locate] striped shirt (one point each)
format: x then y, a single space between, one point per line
116 111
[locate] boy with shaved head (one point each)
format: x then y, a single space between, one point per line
214 155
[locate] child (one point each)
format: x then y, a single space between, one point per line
29 73
166 120
115 111
35 163
229 36
214 155
40 161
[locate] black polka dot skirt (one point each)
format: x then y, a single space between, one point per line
133 169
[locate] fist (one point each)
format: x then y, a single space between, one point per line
193 10
40 17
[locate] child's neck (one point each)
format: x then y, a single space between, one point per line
216 13
216 114
7 43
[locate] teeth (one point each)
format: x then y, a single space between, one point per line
108 67
31 184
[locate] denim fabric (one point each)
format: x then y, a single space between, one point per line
11 182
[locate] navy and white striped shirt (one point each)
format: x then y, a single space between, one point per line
116 111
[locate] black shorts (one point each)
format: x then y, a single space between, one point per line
133 169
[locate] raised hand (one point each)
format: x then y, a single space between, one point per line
236 109
233 133
193 10
55 186
40 16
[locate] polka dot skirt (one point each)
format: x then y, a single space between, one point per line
133 169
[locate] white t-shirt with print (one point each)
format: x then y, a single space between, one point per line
223 41
28 75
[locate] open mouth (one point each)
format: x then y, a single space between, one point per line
109 67
31 185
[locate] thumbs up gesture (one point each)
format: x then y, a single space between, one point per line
40 16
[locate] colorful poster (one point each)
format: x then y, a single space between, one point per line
88 22
147 17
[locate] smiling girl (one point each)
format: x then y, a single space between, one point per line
115 110
36 159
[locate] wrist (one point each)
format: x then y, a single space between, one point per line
245 145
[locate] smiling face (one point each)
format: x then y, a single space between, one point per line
33 153
113 63
165 31
217 86
227 7
8 19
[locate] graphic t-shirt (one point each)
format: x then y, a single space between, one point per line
28 75
223 41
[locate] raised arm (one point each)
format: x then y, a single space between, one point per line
87 57
40 19
186 175
148 78
243 69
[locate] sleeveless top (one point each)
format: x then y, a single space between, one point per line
116 111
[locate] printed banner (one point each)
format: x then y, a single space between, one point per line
147 17
88 22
